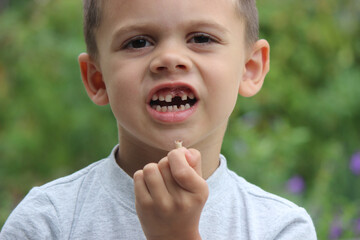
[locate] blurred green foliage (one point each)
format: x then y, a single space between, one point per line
304 122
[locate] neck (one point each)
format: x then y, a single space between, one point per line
134 155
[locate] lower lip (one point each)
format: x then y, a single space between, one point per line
171 117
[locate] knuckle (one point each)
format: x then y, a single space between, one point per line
163 163
149 168
188 204
144 204
138 175
161 208
164 206
196 153
182 175
183 204
204 187
201 198
176 153
173 153
204 193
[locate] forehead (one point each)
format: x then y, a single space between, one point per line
166 12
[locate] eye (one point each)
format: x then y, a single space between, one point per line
138 43
202 38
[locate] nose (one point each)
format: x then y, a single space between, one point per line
170 61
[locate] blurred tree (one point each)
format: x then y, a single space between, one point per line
299 137
3 4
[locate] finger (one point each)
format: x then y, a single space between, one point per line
183 173
165 171
193 157
142 194
154 182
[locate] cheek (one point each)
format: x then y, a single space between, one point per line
223 85
224 79
124 92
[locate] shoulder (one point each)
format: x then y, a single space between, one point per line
43 209
285 219
34 216
63 194
260 196
73 180
250 191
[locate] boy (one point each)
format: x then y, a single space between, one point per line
170 70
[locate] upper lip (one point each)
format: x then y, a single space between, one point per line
170 85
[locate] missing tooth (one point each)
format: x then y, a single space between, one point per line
176 101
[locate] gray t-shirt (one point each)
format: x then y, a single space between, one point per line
98 202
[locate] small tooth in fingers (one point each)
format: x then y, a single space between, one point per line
178 144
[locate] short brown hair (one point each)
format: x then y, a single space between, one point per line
92 19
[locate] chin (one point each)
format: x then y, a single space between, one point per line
168 143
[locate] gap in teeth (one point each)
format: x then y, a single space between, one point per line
173 100
169 94
176 101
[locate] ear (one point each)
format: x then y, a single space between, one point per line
256 68
93 80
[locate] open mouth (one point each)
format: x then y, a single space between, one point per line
173 100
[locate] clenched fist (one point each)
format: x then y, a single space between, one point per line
170 196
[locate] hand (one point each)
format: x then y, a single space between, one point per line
170 196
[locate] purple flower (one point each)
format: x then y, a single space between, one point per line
296 184
355 163
357 226
335 230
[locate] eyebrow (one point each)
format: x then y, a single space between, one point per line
149 27
207 24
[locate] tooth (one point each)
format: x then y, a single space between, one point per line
168 98
191 96
155 97
164 109
184 97
187 106
170 108
158 108
175 108
153 106
161 98
182 107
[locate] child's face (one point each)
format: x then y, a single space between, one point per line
166 49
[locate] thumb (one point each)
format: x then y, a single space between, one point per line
193 158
